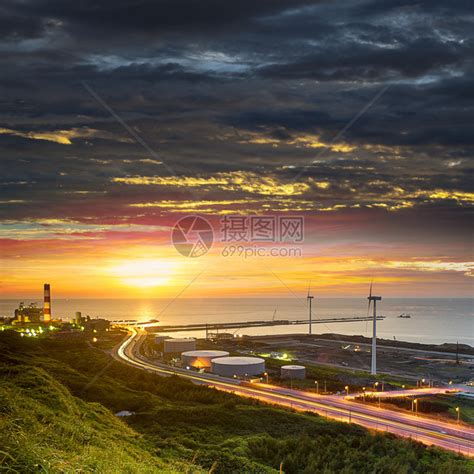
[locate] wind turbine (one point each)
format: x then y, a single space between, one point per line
373 366
309 298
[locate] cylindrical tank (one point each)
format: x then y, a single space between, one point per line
238 366
293 372
179 345
201 359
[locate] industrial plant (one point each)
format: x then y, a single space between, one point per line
33 320
31 313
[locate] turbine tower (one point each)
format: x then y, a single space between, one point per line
309 299
373 366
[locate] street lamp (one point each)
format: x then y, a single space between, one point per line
363 390
415 405
458 412
317 386
347 389
376 384
266 376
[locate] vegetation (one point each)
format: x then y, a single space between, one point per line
444 405
43 428
425 405
57 398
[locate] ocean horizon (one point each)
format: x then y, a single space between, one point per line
433 320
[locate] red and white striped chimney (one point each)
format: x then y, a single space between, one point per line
47 303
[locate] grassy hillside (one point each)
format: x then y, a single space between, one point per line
57 396
44 428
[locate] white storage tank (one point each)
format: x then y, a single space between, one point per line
201 359
238 366
179 345
293 372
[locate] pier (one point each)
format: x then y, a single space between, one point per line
249 324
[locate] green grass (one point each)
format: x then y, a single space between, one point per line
59 397
44 428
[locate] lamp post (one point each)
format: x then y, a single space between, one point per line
266 376
415 405
458 412
346 388
363 390
376 384
317 386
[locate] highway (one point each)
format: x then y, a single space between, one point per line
450 436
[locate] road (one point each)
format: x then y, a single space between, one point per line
450 436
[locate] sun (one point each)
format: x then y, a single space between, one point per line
144 273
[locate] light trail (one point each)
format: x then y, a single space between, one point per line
431 432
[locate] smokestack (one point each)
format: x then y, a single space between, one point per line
47 303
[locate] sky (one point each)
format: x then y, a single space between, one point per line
118 118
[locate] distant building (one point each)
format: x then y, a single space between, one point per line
97 325
160 339
28 314
78 319
178 345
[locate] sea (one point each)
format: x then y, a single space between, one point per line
432 321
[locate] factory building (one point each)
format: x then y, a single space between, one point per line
28 314
78 319
96 325
201 359
293 372
237 366
159 339
179 345
47 303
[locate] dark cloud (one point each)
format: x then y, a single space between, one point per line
129 16
261 88
347 62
